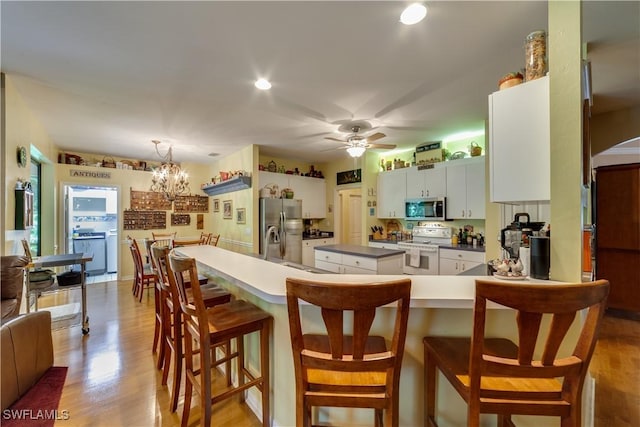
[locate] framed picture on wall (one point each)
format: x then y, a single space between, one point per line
227 209
241 215
216 205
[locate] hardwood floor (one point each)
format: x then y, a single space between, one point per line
616 369
112 379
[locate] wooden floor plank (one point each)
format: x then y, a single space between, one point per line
112 378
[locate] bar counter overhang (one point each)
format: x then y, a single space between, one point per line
440 305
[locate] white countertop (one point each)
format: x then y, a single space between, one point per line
266 279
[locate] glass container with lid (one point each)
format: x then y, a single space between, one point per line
536 55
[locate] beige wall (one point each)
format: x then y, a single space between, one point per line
21 128
614 127
125 181
234 236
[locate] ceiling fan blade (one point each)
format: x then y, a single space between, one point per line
335 148
385 146
376 136
335 139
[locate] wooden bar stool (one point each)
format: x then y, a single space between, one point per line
171 319
349 371
210 328
496 376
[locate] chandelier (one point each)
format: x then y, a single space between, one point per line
169 179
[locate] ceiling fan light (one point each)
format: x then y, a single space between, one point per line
413 14
356 151
262 84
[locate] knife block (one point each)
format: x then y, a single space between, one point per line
378 236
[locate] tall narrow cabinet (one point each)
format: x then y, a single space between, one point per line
617 219
24 209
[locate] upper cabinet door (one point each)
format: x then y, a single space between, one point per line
519 139
392 190
426 182
312 192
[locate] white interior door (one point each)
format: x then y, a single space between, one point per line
355 219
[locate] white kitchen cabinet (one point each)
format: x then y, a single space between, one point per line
519 141
308 255
454 261
465 189
353 264
392 191
112 202
312 191
426 182
279 179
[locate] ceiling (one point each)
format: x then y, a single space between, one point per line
109 77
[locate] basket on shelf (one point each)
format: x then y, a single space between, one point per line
108 162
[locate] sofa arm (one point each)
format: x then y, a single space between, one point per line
26 350
12 280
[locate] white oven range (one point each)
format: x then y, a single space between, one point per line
421 254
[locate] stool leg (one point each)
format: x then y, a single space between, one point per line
188 386
177 364
227 364
205 384
264 372
429 390
240 364
157 326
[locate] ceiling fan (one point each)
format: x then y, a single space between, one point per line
356 144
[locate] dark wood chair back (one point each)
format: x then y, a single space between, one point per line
562 303
325 363
183 275
541 374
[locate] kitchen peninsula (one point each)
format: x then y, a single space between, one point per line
441 305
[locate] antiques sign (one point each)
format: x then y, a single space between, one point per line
89 174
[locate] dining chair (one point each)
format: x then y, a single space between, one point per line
144 277
205 238
187 242
215 238
38 279
164 239
347 366
210 328
497 376
171 321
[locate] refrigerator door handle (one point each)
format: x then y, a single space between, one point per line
283 235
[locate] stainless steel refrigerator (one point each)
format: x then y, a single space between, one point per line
281 229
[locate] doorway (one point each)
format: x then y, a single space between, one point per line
350 216
91 225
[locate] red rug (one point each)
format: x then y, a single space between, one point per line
39 407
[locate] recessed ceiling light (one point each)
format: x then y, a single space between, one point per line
213 154
263 84
413 14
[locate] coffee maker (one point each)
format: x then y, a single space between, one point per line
517 234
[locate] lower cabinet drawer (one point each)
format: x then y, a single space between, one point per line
329 266
360 262
328 256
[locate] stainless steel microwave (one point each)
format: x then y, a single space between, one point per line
429 208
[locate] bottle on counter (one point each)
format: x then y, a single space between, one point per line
460 241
